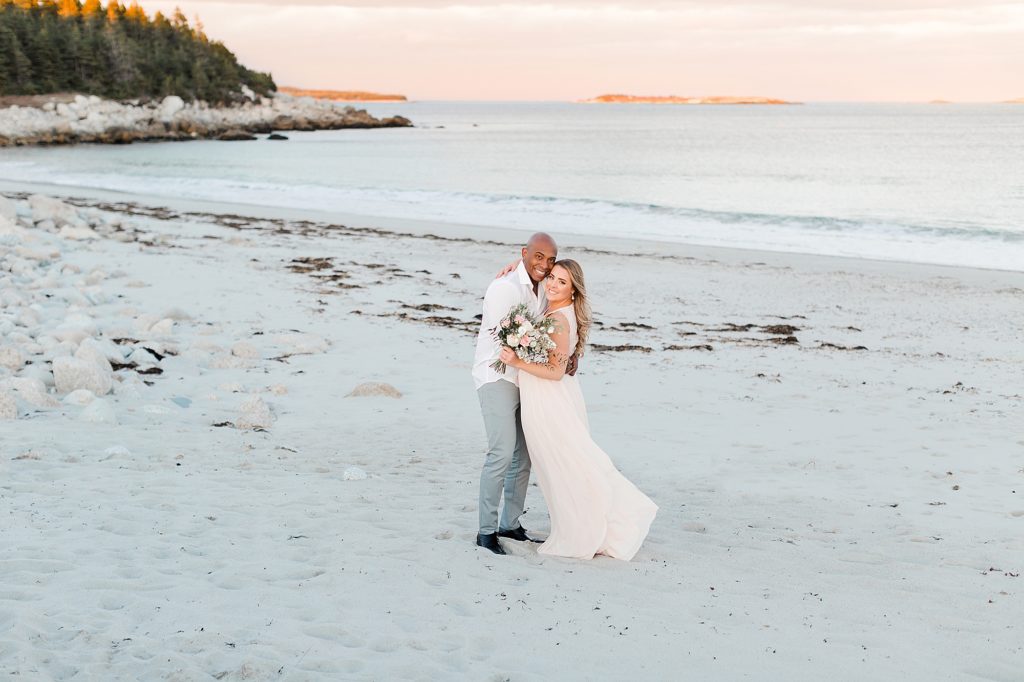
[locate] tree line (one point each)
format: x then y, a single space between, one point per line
115 51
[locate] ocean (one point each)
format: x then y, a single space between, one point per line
911 182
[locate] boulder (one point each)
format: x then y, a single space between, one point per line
33 391
8 407
47 208
254 414
244 349
299 343
236 135
99 411
374 389
81 397
12 358
92 351
8 210
71 374
353 474
79 233
169 107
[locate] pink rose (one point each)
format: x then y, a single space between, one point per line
524 341
520 319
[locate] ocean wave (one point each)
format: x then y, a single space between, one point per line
952 244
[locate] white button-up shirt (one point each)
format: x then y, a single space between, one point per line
503 293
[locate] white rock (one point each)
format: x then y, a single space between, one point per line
8 407
48 208
254 414
301 344
78 233
11 357
244 349
143 358
71 374
169 107
81 397
8 210
374 389
99 411
176 314
116 452
225 361
33 391
40 372
353 474
278 389
162 328
92 351
130 387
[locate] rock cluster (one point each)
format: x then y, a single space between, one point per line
53 341
91 119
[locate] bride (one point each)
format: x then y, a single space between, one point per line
594 508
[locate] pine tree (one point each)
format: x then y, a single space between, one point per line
117 52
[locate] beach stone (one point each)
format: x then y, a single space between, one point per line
11 357
47 208
33 391
374 389
94 352
278 389
143 358
80 397
176 314
254 414
79 233
8 407
227 361
8 210
71 374
353 474
162 328
299 343
99 411
244 349
40 372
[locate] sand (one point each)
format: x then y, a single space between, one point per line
844 499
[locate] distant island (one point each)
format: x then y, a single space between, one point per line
673 99
343 95
1019 100
939 101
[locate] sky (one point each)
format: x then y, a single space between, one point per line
804 50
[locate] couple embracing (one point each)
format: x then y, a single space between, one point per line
534 415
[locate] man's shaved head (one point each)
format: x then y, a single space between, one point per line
542 238
539 255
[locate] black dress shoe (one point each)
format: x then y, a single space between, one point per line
489 541
517 534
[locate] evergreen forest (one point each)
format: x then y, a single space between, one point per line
116 52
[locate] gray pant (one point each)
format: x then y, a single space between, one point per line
507 465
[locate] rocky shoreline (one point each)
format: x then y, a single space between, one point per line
88 119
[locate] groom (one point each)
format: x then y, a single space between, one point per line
507 464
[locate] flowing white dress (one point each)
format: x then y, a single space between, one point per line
594 508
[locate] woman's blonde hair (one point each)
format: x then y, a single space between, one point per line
581 304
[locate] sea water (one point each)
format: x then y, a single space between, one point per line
911 182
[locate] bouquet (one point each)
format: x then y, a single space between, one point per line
528 336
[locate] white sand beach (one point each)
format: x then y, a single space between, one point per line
842 499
